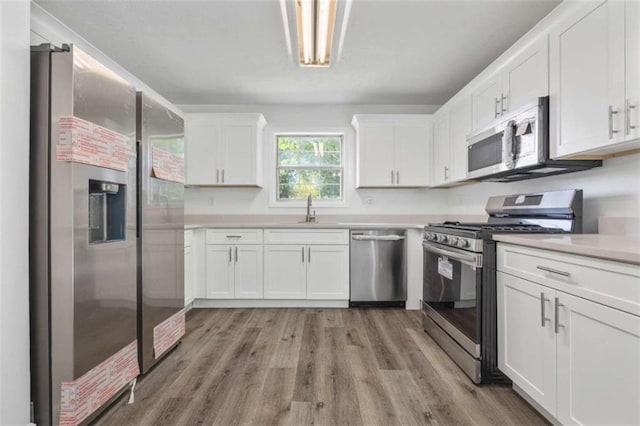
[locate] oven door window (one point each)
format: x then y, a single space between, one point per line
452 289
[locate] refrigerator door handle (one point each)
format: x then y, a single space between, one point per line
139 190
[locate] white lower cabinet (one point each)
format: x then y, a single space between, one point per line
189 275
328 272
189 268
234 272
220 272
576 358
527 342
318 272
598 357
285 272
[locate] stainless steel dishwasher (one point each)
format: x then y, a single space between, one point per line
378 267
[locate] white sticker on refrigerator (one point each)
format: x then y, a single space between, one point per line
445 268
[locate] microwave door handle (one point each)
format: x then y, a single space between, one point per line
472 259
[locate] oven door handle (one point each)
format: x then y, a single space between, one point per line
472 259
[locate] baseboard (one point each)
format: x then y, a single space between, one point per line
268 303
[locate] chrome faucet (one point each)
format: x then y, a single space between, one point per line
310 217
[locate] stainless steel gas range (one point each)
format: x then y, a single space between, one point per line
459 282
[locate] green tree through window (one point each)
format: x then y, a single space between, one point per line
309 165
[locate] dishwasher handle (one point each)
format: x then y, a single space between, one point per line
358 237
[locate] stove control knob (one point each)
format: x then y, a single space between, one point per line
453 241
463 243
444 239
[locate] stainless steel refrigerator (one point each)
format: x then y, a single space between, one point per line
160 145
83 261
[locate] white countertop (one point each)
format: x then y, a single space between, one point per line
303 225
611 247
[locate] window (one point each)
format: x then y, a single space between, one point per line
309 165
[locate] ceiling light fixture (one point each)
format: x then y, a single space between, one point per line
316 20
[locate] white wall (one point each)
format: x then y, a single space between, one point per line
613 190
14 226
312 118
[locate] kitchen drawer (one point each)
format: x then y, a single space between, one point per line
306 236
188 238
614 284
234 236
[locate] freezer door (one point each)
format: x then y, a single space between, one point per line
161 224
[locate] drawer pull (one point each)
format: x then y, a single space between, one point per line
557 309
543 317
234 236
553 271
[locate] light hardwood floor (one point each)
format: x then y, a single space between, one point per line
312 366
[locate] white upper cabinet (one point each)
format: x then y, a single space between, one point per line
393 150
632 75
224 149
202 142
519 81
486 101
375 154
587 79
441 148
526 77
459 128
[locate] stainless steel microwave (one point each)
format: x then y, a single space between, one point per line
516 147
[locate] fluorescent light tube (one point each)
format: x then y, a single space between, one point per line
315 23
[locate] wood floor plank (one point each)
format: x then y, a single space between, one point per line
337 381
288 347
433 388
383 350
375 403
307 387
312 366
410 408
206 403
274 403
331 318
241 399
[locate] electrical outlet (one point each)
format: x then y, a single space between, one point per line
368 201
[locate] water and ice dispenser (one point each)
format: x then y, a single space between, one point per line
107 211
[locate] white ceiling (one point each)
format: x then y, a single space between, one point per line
234 51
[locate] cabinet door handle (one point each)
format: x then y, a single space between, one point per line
236 254
230 259
503 102
222 175
543 317
612 112
628 125
391 177
309 255
557 312
217 175
496 114
302 254
446 173
397 177
553 271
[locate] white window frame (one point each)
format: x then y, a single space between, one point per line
273 168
